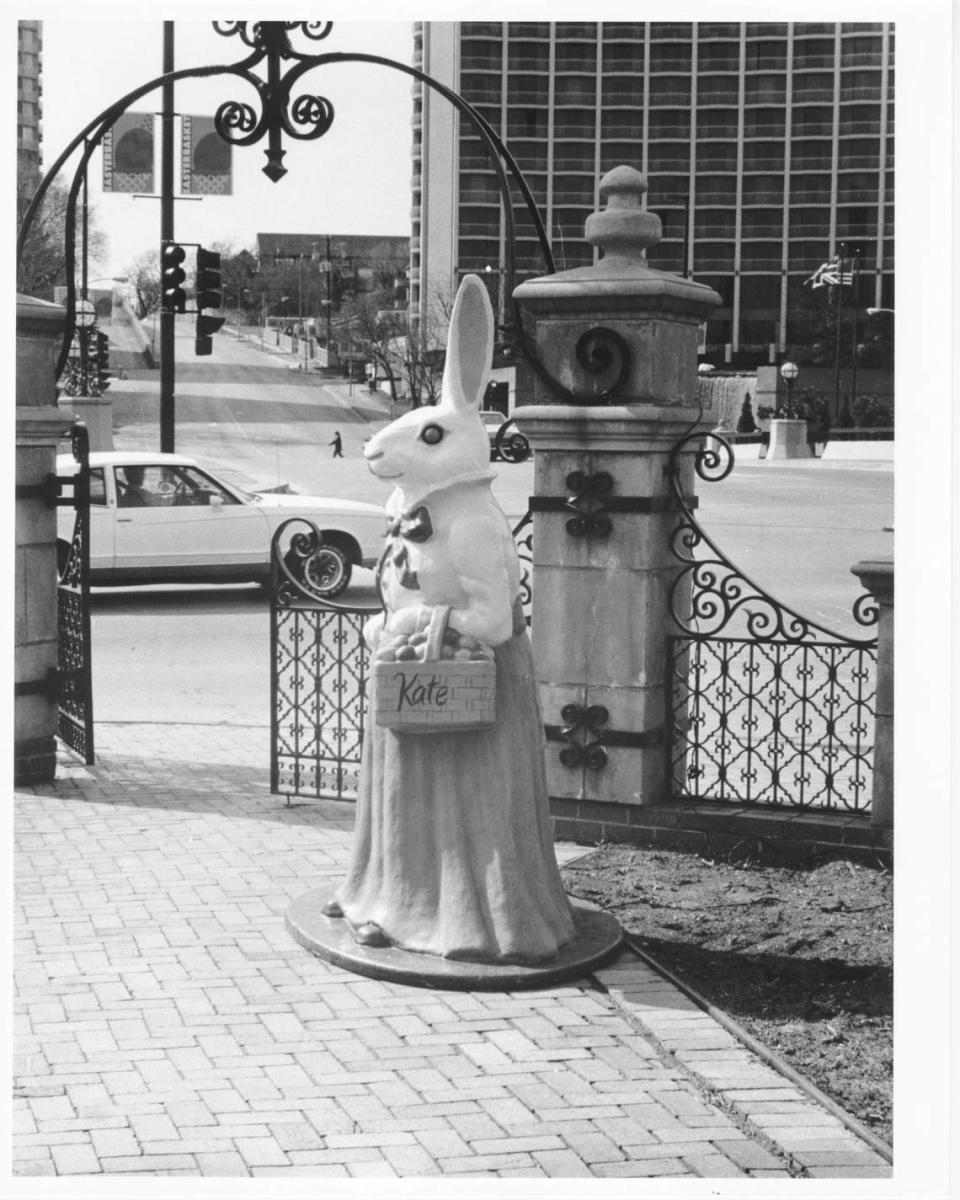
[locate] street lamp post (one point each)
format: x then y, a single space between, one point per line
788 431
788 373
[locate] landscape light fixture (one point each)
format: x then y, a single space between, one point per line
788 373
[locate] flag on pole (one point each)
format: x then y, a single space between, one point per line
828 274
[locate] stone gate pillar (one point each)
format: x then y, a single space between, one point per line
612 390
877 578
40 424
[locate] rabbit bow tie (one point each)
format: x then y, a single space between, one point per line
415 526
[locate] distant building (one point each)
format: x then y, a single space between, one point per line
355 260
29 109
764 145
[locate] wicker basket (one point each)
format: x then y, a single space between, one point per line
437 695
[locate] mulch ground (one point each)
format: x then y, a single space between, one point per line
801 959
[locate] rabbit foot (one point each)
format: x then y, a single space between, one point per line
331 908
370 934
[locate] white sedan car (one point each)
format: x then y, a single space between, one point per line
158 518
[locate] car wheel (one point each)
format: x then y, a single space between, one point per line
511 445
327 571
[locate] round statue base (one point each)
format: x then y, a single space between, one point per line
597 940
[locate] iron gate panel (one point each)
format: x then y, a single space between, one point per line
773 722
320 664
765 706
75 717
319 670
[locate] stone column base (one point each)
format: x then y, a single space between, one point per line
788 439
34 761
97 414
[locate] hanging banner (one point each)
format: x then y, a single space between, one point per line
128 154
205 159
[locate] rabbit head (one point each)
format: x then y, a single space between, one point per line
428 447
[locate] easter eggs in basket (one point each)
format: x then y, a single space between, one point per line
428 677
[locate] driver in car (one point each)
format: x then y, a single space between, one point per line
132 492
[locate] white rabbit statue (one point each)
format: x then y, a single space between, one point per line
453 853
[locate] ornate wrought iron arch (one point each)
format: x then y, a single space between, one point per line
306 117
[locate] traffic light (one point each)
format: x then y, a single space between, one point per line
172 278
205 327
209 283
209 295
102 359
85 364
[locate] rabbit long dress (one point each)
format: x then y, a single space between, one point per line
453 852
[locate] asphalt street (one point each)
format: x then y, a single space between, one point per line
201 654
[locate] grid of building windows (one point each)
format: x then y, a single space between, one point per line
29 45
28 91
765 146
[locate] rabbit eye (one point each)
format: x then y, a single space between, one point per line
432 434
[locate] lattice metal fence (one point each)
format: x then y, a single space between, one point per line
75 715
320 664
766 707
773 722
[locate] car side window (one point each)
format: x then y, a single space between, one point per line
134 488
164 486
98 487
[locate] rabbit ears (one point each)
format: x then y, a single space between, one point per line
469 346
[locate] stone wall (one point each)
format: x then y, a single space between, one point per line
39 426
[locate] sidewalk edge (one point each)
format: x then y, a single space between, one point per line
765 1053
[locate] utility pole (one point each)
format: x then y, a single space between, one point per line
167 319
329 297
83 333
841 260
855 302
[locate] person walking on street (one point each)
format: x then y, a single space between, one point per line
337 444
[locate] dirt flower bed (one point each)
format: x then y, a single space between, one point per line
801 959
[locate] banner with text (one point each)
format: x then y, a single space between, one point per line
128 154
205 159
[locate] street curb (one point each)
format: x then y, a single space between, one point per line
765 1054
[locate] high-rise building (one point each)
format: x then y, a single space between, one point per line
29 46
765 146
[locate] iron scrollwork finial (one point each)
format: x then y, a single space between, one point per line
293 550
710 593
305 118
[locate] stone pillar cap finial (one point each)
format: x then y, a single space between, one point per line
623 228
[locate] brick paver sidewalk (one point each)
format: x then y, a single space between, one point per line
167 1023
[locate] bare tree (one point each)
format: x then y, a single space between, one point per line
43 264
426 350
377 331
144 276
380 329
